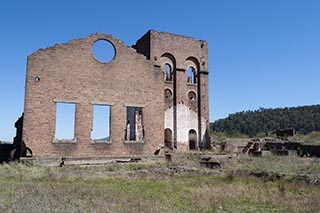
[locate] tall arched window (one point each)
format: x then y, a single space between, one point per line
168 138
169 73
192 75
192 139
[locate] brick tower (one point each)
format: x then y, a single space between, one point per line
184 63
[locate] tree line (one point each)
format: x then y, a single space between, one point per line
303 119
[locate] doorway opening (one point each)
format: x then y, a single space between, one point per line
192 139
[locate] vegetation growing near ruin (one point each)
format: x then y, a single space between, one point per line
304 119
286 167
219 138
311 138
180 186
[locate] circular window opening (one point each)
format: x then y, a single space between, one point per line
103 51
192 96
167 94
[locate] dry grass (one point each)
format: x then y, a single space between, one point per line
312 138
281 165
153 188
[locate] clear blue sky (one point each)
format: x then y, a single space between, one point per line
262 53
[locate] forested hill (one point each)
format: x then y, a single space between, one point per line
303 119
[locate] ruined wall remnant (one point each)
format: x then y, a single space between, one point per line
69 73
18 148
184 62
131 86
285 132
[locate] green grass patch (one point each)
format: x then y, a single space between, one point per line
88 189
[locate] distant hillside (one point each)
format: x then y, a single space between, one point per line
304 119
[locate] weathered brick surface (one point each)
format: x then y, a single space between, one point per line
69 72
181 52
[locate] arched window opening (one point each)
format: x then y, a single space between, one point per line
167 94
192 76
168 138
192 139
192 96
169 73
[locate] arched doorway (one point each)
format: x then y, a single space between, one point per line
168 138
192 139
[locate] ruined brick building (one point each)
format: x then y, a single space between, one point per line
155 92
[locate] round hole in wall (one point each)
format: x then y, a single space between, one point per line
37 79
167 94
103 51
192 96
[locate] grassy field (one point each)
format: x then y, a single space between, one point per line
181 186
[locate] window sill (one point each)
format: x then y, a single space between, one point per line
64 141
169 82
101 142
134 142
190 84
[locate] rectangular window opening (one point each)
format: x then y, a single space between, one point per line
134 127
65 121
101 123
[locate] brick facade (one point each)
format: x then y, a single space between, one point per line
69 73
181 53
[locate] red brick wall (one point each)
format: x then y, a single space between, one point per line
69 72
181 52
